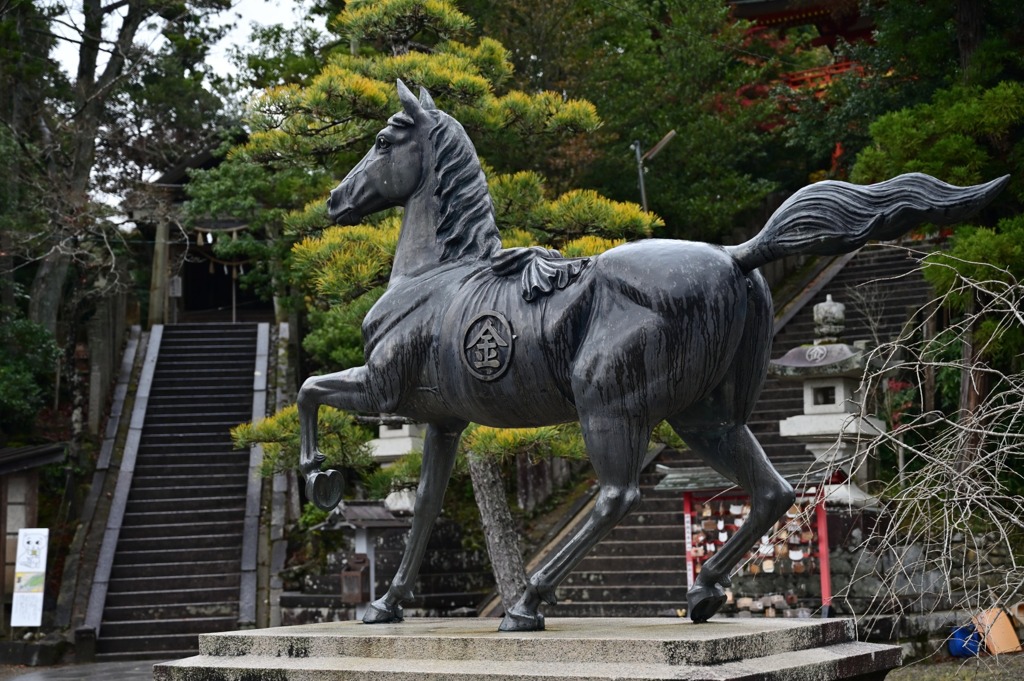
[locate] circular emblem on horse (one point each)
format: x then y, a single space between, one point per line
487 345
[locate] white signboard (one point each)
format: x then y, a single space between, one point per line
29 577
174 287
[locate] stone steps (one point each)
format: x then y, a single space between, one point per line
144 601
176 572
874 266
623 593
614 609
570 648
622 578
218 489
175 568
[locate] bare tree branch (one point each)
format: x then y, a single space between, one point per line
952 536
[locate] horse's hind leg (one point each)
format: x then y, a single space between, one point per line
439 449
715 429
616 447
736 454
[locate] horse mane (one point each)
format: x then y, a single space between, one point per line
466 226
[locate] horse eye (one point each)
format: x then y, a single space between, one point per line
383 144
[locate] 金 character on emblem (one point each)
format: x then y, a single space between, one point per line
487 345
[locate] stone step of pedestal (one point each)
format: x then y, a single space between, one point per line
617 609
570 648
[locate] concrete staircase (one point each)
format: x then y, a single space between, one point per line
639 570
883 274
176 570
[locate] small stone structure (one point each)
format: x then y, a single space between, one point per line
395 440
831 425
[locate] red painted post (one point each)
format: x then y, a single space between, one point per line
823 559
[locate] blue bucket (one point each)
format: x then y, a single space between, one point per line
965 641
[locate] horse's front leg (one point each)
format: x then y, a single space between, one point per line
350 390
439 449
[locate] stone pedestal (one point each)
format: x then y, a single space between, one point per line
570 648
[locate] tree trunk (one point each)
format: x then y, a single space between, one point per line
499 529
159 280
968 20
47 291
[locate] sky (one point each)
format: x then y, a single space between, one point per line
243 13
263 12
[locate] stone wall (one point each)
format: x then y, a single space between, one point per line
452 582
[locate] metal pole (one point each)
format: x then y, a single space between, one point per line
640 173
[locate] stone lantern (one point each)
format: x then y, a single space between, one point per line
831 424
395 440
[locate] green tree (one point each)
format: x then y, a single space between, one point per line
964 135
651 68
28 356
919 48
60 120
307 132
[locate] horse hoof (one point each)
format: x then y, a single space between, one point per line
324 489
379 612
521 622
704 601
548 595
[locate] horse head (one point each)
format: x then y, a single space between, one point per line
393 169
423 160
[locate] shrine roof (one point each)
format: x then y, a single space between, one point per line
369 514
16 459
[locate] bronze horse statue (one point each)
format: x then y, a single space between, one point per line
649 331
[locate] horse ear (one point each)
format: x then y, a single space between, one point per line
408 99
426 101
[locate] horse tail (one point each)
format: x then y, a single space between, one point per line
832 217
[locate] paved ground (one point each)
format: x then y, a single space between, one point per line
103 671
1001 668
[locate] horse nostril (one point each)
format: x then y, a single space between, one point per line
333 204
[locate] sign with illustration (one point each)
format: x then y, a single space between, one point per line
29 577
